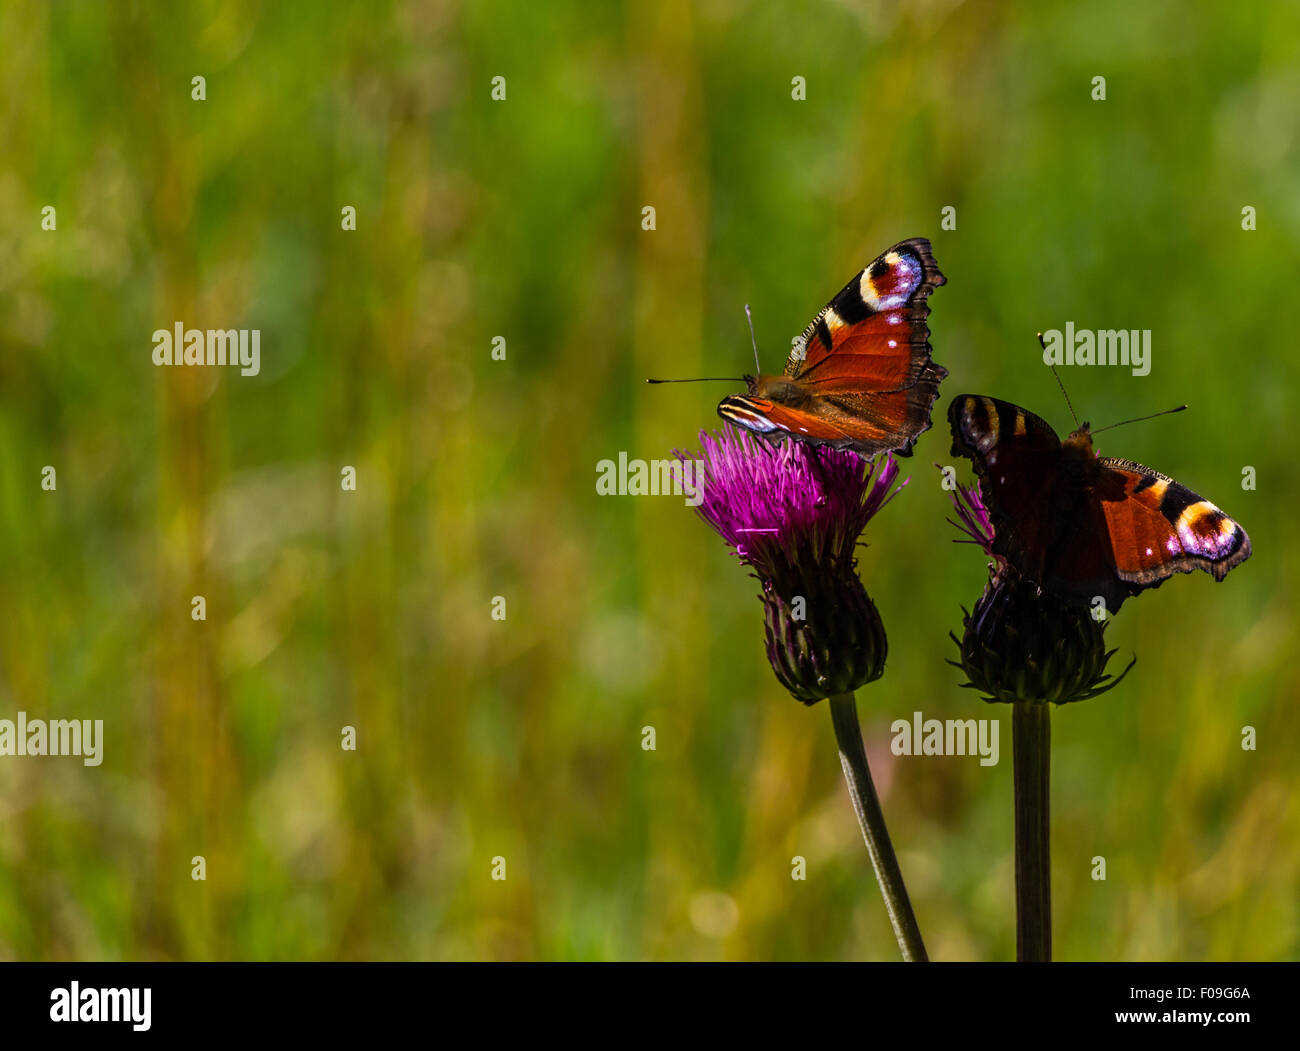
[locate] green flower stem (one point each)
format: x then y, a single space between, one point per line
1031 734
853 758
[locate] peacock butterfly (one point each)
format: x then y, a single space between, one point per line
1081 525
860 377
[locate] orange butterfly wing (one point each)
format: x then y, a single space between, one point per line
873 336
1159 527
838 421
860 376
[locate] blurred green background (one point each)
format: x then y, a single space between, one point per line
522 738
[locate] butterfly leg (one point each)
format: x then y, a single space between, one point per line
818 471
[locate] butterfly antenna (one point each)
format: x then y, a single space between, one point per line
1139 419
1043 343
752 340
704 379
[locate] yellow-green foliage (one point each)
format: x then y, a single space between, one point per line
521 738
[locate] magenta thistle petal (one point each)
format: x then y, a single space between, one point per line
790 503
974 515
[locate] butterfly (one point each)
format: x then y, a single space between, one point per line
860 377
1081 525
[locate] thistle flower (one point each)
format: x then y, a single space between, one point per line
793 513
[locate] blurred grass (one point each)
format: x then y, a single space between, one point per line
476 478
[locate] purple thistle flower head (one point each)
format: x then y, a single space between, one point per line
974 514
794 514
790 504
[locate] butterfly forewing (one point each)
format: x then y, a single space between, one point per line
1017 457
1159 527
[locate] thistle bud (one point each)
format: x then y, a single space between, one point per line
824 636
1021 644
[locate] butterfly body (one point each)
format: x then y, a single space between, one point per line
860 376
778 389
1083 526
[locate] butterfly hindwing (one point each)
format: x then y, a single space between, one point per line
767 417
878 422
842 421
